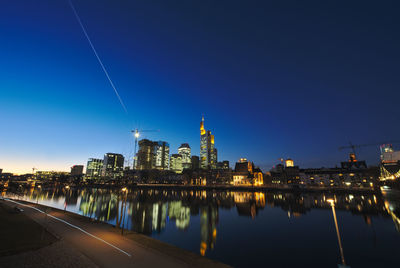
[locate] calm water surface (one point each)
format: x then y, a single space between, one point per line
245 229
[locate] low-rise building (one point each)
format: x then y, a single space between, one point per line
247 174
77 170
51 175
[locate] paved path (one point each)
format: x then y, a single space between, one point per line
105 247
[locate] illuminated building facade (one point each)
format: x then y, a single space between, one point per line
208 152
153 155
161 155
285 174
185 151
146 155
289 163
94 167
246 174
176 164
113 165
388 155
390 163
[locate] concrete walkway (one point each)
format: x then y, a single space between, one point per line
103 244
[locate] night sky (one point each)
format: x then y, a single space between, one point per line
273 79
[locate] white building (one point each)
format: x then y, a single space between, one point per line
176 163
185 151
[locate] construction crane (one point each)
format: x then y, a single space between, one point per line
353 147
136 133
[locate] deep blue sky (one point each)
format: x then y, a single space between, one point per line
274 79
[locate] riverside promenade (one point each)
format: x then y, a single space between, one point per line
81 242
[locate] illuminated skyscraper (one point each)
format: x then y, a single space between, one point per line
113 164
94 167
185 151
146 155
153 155
208 153
161 155
176 163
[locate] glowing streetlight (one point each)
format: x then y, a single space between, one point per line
67 187
331 201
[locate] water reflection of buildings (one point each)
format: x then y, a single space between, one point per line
180 214
208 227
99 204
149 210
248 203
392 206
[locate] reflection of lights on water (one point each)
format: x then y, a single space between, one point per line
203 247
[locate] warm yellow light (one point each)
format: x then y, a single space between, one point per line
124 189
289 163
331 201
67 187
203 247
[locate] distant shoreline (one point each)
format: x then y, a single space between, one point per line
269 188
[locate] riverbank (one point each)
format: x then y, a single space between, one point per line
19 233
285 188
101 243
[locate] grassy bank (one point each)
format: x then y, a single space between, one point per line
19 233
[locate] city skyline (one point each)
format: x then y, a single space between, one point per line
272 85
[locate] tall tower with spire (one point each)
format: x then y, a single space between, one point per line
208 152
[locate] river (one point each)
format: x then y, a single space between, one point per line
247 229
